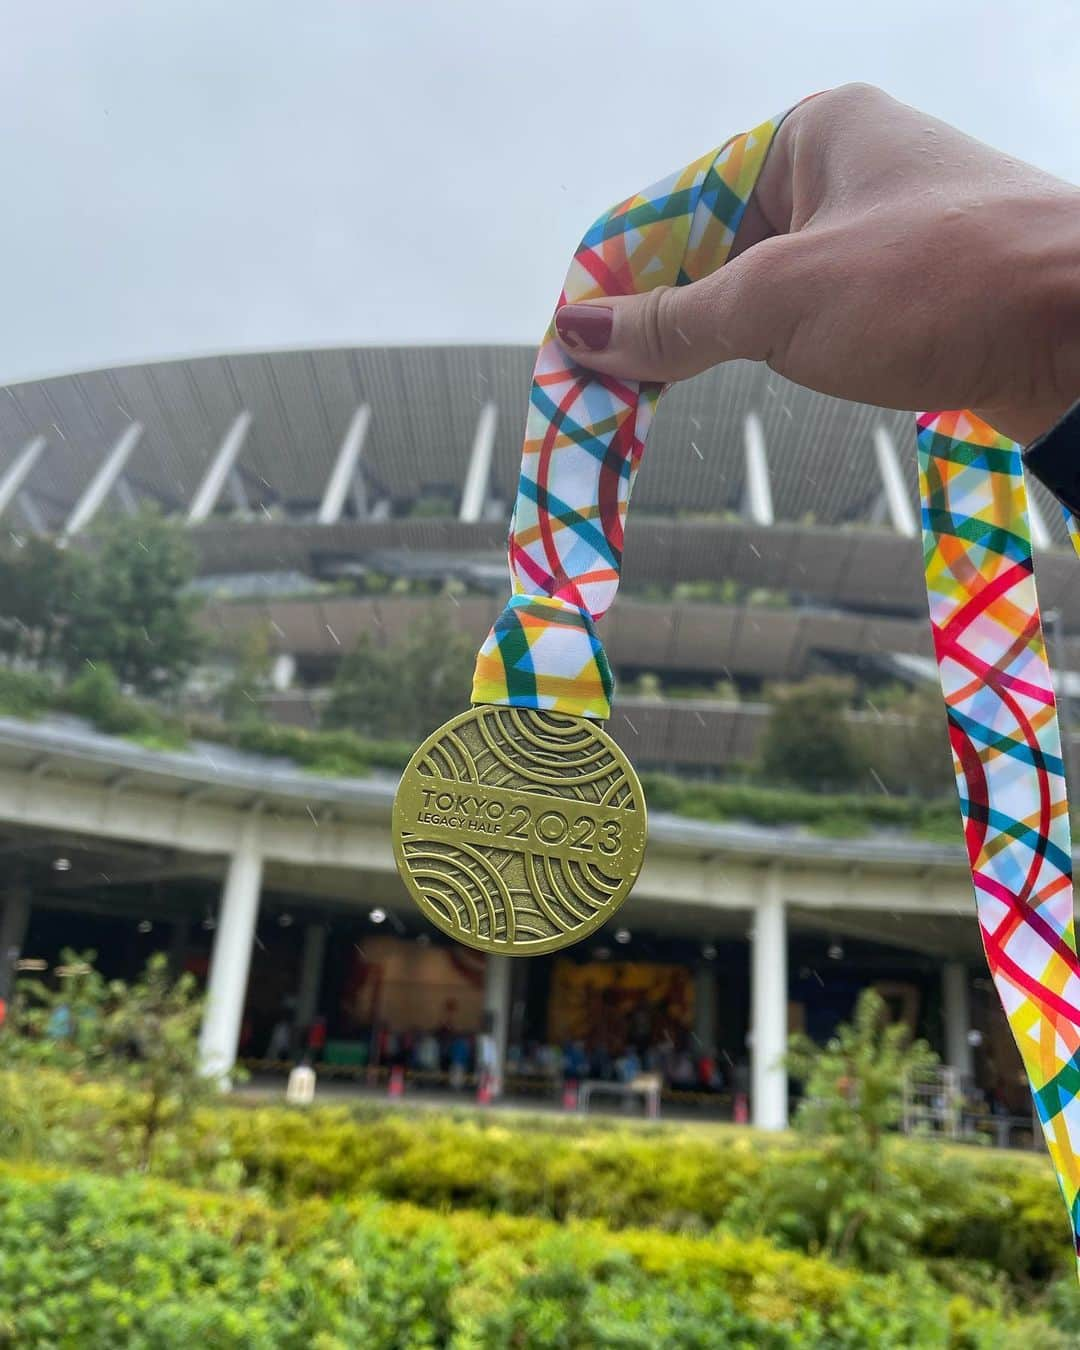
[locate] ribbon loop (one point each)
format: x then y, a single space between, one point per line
543 652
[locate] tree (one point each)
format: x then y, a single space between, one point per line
41 586
808 740
910 751
135 615
853 1088
408 688
145 1034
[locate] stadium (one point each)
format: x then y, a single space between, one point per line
774 537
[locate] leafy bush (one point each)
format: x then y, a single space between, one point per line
998 1214
95 1261
808 740
24 693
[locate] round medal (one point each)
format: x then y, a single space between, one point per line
519 831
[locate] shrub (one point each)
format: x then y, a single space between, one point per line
808 740
96 1261
24 693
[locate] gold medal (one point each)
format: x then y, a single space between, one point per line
519 831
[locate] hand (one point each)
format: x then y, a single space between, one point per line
885 258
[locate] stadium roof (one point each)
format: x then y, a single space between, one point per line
290 412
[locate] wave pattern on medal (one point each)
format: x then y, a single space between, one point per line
482 892
1007 753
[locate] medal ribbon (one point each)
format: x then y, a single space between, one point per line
584 437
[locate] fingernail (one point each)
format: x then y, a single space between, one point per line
585 326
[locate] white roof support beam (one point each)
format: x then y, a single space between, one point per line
32 513
19 470
474 494
206 498
901 514
758 498
1040 534
344 474
99 487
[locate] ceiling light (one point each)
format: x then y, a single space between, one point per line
32 963
145 926
285 920
709 952
377 916
61 864
836 951
622 936
209 923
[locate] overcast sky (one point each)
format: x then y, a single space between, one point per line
183 177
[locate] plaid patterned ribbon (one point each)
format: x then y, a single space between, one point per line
583 443
584 436
1006 747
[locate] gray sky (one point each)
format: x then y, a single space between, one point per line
183 176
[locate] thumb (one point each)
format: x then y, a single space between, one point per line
743 310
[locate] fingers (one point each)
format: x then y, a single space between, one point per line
671 333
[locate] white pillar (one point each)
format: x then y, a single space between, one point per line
311 972
231 957
768 1012
955 991
497 974
220 467
99 487
19 471
1040 535
758 496
14 920
474 494
344 473
282 672
897 501
705 1004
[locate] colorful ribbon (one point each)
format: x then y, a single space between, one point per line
584 436
583 443
1006 747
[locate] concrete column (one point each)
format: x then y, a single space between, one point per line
221 466
99 487
758 492
311 973
345 473
19 471
768 1007
897 501
957 1001
705 1004
14 920
231 957
497 981
474 493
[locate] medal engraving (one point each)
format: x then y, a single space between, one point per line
519 831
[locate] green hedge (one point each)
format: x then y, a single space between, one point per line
90 1261
999 1212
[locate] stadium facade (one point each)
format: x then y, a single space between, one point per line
774 534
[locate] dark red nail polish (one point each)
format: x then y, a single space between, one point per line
585 326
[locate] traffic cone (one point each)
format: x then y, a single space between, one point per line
483 1089
569 1095
396 1086
742 1111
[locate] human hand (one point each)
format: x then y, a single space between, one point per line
884 257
